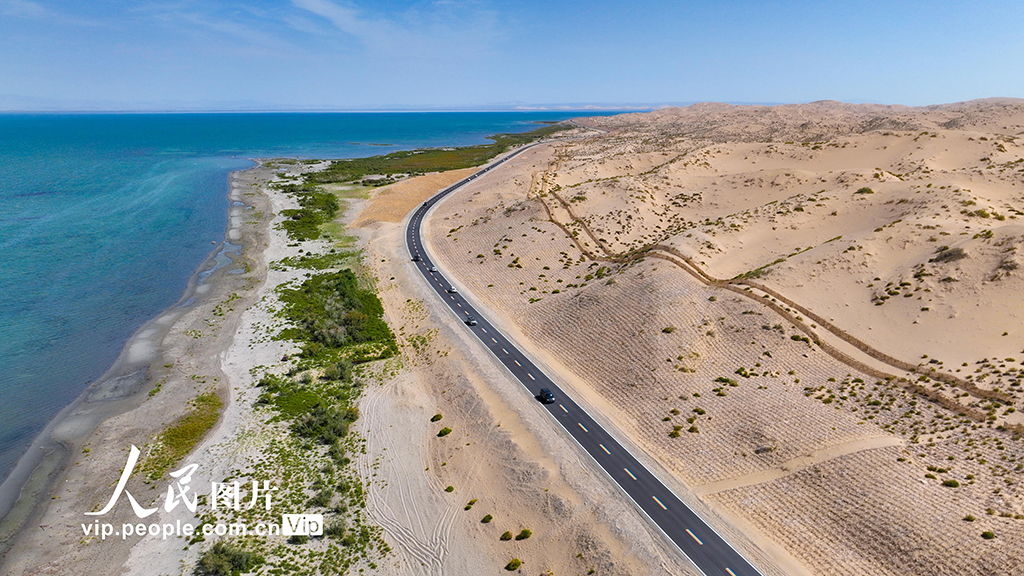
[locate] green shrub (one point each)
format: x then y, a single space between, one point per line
444 432
326 424
330 311
514 564
322 499
524 534
988 535
226 560
668 329
487 519
947 254
506 535
865 190
296 539
436 417
969 518
951 483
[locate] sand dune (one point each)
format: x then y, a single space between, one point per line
783 280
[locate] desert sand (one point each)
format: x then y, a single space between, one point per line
808 314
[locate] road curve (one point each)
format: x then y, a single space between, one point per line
712 555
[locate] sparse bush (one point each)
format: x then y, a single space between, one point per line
668 329
524 534
444 432
988 535
513 564
865 190
947 254
969 518
436 417
450 489
951 483
226 560
506 535
296 539
487 519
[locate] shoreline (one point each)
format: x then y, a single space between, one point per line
138 372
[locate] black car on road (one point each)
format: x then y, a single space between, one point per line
546 396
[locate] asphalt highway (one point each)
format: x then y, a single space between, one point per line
712 555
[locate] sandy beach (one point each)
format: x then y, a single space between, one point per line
69 469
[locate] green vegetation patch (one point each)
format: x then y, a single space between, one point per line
336 319
226 560
428 160
315 261
180 438
316 207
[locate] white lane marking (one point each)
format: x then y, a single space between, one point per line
466 311
630 473
517 363
460 305
582 426
493 340
531 376
730 572
484 329
659 502
697 539
605 449
563 408
505 351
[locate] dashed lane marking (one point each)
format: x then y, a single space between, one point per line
505 351
660 504
563 408
531 376
694 536
582 426
517 363
630 473
730 572
605 449
493 340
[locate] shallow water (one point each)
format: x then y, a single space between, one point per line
105 217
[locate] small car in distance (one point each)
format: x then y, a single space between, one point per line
470 321
546 396
415 257
452 290
433 268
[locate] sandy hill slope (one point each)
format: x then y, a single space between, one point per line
809 314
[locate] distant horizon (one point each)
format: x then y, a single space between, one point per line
265 108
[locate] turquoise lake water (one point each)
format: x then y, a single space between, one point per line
104 217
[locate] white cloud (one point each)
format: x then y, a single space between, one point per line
446 29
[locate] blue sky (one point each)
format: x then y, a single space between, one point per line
357 54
